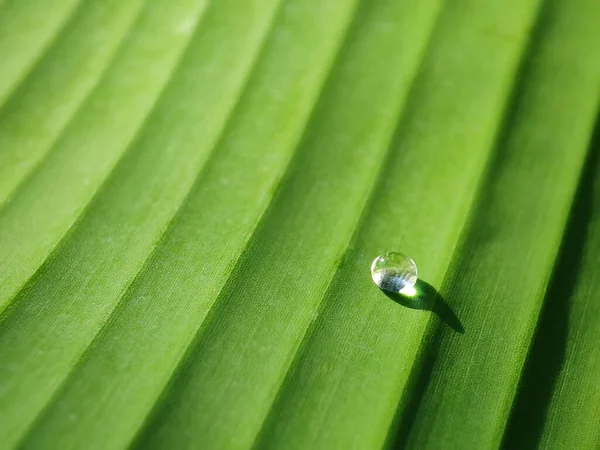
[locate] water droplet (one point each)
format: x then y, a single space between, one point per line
394 272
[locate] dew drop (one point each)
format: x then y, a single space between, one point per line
394 272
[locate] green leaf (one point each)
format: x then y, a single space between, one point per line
509 247
560 376
34 116
192 191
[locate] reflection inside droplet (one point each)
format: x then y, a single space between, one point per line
395 272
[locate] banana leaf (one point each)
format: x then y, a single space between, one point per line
192 193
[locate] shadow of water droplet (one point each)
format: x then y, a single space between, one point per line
429 299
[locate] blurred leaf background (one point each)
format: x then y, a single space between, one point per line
192 191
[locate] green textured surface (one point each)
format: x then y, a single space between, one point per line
192 191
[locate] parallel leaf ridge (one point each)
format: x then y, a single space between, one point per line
192 191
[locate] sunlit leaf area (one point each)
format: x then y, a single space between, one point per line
194 195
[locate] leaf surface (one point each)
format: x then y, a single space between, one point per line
192 191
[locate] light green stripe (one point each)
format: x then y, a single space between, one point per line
27 29
508 251
87 274
356 359
34 116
